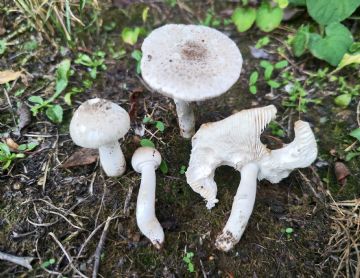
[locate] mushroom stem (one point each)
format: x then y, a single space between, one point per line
241 209
145 206
186 118
112 159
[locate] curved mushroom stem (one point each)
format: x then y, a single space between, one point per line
112 159
145 206
241 209
186 118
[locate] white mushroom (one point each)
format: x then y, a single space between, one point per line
146 160
99 124
189 63
235 141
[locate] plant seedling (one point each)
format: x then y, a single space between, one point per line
7 157
97 61
262 42
252 82
137 55
158 124
182 169
287 231
48 263
188 260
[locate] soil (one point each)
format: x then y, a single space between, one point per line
40 198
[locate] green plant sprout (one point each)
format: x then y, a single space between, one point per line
287 231
276 129
7 156
96 62
188 260
182 169
356 152
48 263
137 55
158 124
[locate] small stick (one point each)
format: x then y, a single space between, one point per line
66 255
23 261
99 247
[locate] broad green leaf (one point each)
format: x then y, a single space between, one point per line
5 149
268 72
326 12
36 99
160 126
147 143
136 54
130 35
262 42
282 3
273 84
163 167
300 42
93 73
289 230
253 78
268 18
67 99
297 2
343 100
62 75
22 147
243 18
281 64
253 89
2 46
333 46
355 133
265 64
55 113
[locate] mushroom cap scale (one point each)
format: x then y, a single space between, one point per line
190 62
98 122
145 155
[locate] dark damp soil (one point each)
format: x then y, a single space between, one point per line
41 201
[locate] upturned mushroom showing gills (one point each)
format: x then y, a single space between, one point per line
235 141
146 160
99 124
189 63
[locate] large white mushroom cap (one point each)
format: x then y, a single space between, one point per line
190 62
98 122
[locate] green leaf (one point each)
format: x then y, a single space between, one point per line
253 89
349 59
297 2
130 35
268 18
163 167
300 42
5 149
262 42
160 126
355 133
36 99
326 12
333 46
55 113
137 55
182 169
289 230
32 145
273 84
62 74
22 147
67 99
84 59
265 64
351 155
343 100
282 3
281 64
147 143
253 78
30 45
243 18
355 47
147 120
144 14
268 72
2 46
93 73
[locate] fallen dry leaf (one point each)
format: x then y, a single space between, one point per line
9 75
81 157
11 144
24 116
341 172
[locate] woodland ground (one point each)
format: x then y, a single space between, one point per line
40 198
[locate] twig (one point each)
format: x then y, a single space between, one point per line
127 201
67 255
99 247
23 261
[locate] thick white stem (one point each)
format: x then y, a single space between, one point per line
186 118
145 206
112 159
241 209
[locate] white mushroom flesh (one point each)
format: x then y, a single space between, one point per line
235 141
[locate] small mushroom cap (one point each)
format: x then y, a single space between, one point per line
145 155
98 122
190 62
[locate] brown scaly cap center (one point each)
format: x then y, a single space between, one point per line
193 51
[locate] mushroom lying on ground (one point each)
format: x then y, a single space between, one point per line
189 63
235 141
146 160
99 124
